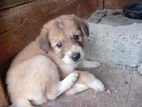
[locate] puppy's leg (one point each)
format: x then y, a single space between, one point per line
64 85
86 80
77 88
21 103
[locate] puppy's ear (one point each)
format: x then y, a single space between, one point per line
84 28
83 25
42 40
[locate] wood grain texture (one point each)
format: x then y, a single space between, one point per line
100 4
6 4
3 101
118 4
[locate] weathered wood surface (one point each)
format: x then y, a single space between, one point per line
6 4
3 101
117 4
19 24
100 4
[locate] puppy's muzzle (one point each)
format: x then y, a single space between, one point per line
75 56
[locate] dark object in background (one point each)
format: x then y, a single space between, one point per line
133 10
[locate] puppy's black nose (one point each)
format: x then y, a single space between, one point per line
75 56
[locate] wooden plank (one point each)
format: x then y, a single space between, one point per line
6 4
117 4
3 100
17 15
21 24
100 4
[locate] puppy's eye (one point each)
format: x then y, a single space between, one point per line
59 45
76 37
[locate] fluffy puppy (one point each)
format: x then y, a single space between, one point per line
45 68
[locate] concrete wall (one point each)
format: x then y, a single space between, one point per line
115 45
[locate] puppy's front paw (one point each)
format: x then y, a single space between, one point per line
72 77
97 85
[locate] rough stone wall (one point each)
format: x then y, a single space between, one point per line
114 39
118 45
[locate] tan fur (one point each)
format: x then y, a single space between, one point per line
42 71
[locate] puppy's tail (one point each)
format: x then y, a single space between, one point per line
21 103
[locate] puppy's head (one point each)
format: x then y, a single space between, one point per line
63 36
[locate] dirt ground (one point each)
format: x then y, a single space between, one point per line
123 89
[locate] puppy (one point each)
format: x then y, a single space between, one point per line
45 68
